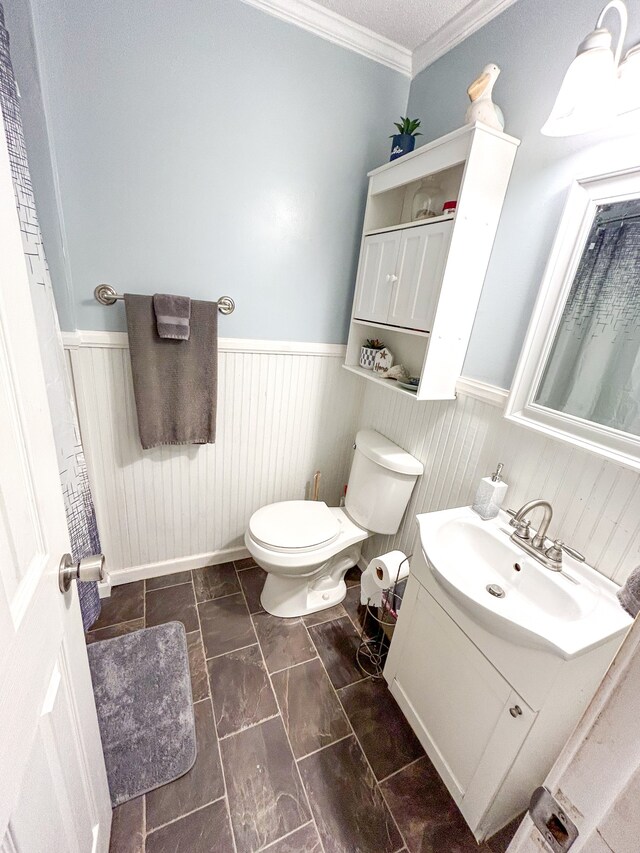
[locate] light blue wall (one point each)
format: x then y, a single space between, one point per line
533 42
203 148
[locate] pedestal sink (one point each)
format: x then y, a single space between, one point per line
512 595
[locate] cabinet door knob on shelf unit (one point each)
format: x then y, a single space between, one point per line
516 711
391 278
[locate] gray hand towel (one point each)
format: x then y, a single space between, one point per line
174 382
629 595
172 315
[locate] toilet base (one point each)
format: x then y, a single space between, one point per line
289 596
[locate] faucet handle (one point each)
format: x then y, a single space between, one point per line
522 526
554 552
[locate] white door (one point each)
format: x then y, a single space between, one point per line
422 257
53 787
376 276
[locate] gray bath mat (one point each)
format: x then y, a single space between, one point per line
143 695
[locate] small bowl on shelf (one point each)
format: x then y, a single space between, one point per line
411 383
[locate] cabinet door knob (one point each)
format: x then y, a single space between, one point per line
516 711
391 278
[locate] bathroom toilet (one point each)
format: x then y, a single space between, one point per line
306 547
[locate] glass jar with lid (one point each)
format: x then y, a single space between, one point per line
427 200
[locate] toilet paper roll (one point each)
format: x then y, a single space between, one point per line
389 568
370 592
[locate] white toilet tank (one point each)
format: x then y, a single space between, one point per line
380 483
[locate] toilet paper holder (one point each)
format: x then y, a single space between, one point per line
377 623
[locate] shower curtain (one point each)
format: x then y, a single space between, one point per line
81 518
594 368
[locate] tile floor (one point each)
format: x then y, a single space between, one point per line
298 752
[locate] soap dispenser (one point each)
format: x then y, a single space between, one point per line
490 494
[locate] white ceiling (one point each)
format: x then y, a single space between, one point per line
406 22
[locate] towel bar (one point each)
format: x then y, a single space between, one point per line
106 295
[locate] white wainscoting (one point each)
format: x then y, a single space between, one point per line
596 503
284 411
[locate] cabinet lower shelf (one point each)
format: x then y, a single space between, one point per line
391 384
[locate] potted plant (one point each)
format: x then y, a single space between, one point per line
368 353
404 140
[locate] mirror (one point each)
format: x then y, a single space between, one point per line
579 373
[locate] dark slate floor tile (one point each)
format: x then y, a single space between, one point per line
353 576
127 827
201 785
358 612
499 842
337 643
125 603
226 625
173 603
284 642
252 581
244 563
385 735
266 799
349 809
312 714
115 630
197 667
215 581
168 580
327 615
304 840
242 694
426 813
204 831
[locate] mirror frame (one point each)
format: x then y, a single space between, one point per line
585 196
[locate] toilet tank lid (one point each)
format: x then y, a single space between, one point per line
383 452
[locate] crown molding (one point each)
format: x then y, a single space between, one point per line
333 27
472 18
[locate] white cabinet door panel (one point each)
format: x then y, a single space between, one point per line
376 276
459 701
421 261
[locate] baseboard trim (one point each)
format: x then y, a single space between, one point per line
179 564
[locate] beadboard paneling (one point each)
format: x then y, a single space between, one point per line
596 503
281 416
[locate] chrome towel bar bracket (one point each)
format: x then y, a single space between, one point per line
107 295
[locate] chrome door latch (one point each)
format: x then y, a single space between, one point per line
551 821
88 569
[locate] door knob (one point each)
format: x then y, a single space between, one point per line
88 569
516 711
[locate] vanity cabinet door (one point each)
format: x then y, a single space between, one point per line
421 261
458 705
376 276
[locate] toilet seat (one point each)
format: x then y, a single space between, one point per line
294 526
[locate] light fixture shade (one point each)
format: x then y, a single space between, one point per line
586 100
629 82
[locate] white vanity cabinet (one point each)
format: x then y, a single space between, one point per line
419 280
491 716
400 275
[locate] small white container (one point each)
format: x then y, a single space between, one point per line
490 495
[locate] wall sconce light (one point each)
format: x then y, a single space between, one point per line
597 86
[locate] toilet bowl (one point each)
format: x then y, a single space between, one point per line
306 547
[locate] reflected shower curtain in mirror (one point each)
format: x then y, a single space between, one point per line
593 371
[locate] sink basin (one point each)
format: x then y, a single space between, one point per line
566 613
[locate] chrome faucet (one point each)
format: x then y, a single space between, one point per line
550 555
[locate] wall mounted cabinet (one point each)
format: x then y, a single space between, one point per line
419 281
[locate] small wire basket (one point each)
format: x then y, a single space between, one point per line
377 628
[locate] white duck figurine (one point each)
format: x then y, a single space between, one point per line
482 107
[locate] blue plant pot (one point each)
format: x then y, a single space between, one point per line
402 143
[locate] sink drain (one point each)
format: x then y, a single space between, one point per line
496 590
